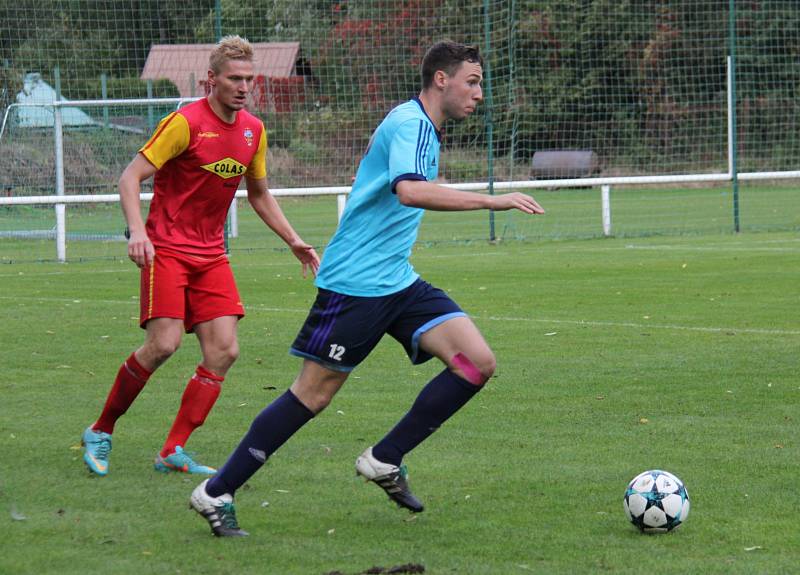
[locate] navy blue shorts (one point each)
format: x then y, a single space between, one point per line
341 330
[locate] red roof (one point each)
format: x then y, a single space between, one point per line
186 65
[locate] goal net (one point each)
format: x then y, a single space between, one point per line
641 86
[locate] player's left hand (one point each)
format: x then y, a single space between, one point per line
307 256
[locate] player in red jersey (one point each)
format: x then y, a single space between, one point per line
197 157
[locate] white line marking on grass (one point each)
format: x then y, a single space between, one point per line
462 254
135 302
264 308
649 326
713 248
67 272
259 307
292 263
70 300
133 269
732 246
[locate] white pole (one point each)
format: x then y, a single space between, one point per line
233 215
341 199
605 195
61 209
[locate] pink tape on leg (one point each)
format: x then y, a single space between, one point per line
471 373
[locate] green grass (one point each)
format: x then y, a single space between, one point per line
614 356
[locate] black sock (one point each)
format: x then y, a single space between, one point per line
442 397
270 429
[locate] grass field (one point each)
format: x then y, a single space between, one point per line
614 356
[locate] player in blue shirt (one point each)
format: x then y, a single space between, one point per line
368 288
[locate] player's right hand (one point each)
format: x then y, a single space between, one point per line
140 249
517 201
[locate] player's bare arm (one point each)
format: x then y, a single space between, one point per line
430 196
140 250
271 214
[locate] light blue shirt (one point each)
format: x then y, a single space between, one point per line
369 253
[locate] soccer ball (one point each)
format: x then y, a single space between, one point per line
656 501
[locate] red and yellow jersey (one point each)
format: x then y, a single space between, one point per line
200 161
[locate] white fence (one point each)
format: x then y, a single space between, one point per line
60 200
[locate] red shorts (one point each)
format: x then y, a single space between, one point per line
191 288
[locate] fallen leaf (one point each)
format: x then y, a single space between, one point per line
644 420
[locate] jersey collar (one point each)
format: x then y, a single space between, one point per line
219 120
421 107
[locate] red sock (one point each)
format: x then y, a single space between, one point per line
130 380
199 397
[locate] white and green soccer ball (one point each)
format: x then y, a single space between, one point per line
656 501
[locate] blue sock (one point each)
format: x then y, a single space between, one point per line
442 397
270 429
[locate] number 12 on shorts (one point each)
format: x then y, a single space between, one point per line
336 352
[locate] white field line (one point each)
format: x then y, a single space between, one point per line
712 248
758 331
715 247
66 272
291 265
134 301
605 324
732 246
133 269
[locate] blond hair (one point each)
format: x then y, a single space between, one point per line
229 48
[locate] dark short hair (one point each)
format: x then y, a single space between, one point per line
447 56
